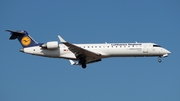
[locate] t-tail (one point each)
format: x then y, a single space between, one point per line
23 37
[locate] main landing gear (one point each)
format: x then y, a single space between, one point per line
82 61
84 65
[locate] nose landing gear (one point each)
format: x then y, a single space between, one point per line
159 60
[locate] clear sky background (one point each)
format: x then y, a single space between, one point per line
25 77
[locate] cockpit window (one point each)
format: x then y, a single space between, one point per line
156 46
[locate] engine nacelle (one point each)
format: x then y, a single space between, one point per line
51 45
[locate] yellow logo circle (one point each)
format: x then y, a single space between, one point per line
25 41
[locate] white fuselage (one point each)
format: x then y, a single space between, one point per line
104 50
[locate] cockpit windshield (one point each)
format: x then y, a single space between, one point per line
156 46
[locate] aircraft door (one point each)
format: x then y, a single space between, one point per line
145 48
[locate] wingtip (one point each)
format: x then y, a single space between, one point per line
61 39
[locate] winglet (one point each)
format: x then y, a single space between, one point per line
61 39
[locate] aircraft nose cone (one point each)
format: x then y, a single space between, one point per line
168 52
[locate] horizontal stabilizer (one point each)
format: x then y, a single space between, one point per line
15 34
20 32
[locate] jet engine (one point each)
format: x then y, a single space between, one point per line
51 45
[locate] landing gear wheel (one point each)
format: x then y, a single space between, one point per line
159 60
84 65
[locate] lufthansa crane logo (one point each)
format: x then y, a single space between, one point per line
25 41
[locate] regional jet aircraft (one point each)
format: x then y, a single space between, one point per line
86 53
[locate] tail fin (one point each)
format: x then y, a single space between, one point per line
23 37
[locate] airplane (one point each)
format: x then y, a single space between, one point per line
82 54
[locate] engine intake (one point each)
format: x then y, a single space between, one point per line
51 45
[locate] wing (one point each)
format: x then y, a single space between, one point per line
78 51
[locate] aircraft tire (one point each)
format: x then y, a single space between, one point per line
84 66
159 60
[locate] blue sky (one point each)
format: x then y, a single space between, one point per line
25 77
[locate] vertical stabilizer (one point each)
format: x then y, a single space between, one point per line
23 37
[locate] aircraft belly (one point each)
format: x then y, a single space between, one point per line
68 56
42 52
